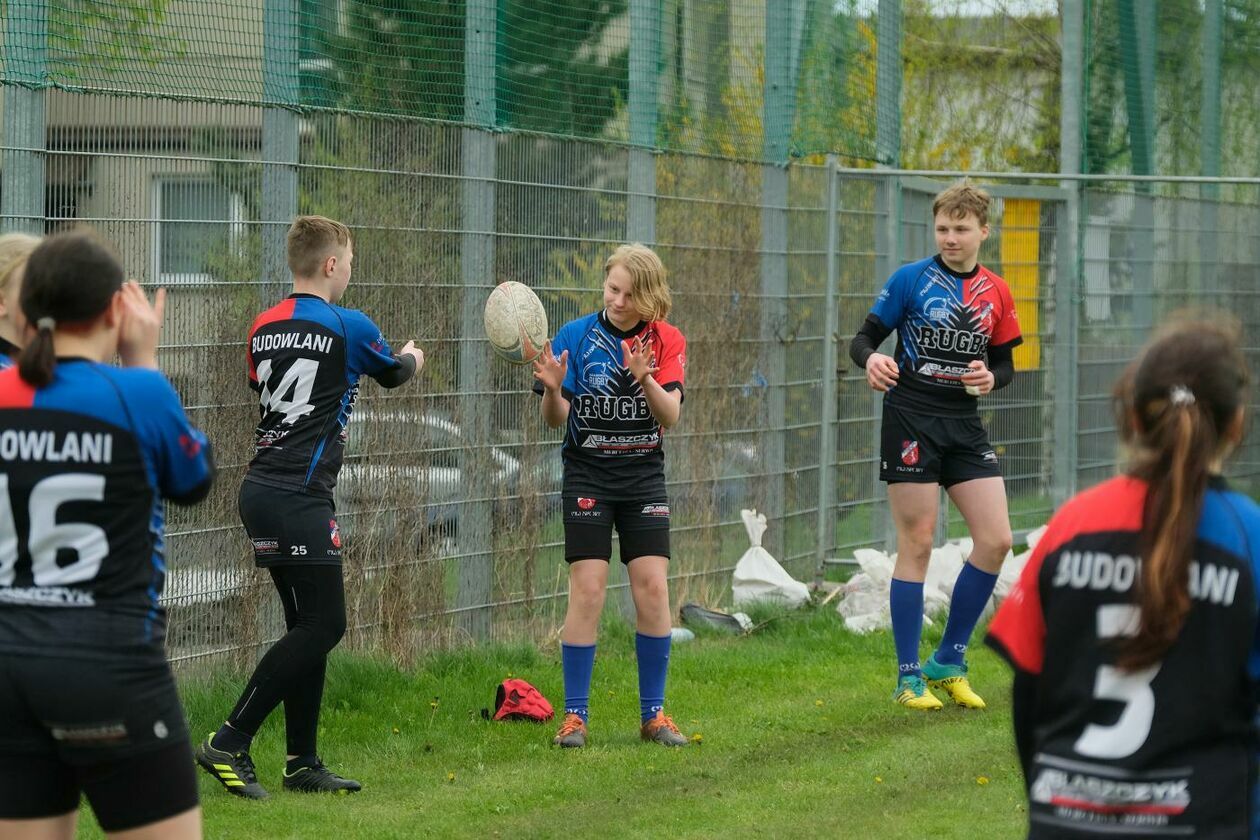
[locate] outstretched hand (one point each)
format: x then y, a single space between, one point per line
410 349
637 357
548 369
141 326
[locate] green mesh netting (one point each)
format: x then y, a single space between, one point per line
979 80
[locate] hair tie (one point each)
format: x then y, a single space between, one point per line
46 323
1180 395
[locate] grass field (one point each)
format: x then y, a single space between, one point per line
795 736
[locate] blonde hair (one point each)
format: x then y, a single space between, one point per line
311 240
961 200
15 248
651 288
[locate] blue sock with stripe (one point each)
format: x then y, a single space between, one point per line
652 653
971 594
905 603
578 662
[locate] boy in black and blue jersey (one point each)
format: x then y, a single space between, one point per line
89 452
956 330
305 357
614 380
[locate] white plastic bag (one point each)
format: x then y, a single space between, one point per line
758 576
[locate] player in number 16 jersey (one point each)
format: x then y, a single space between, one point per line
88 453
1132 629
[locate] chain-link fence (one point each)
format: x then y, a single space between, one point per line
472 142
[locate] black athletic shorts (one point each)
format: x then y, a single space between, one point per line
642 525
112 729
922 449
287 527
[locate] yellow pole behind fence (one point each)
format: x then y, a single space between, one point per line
1020 247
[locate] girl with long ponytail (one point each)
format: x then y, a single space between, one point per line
1133 627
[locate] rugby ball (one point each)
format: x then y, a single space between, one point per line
513 314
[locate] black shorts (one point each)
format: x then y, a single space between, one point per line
287 527
642 525
112 729
921 449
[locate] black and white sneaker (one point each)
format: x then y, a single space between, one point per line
319 779
235 771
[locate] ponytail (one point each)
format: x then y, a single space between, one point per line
1176 484
1178 415
39 358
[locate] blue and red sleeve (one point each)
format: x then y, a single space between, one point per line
890 304
671 356
367 351
282 311
1006 331
180 451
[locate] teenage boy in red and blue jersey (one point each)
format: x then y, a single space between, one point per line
956 329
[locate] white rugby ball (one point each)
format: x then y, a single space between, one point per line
513 314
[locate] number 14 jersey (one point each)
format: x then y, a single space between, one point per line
305 359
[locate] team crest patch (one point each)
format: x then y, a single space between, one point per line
586 504
909 452
334 533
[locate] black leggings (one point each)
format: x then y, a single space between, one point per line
292 672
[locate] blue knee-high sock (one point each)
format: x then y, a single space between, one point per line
905 602
578 662
652 653
971 593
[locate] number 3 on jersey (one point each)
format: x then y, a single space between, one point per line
1132 688
292 395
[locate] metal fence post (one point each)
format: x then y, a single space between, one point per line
1210 143
477 271
779 98
645 49
1066 372
888 249
279 143
22 203
827 423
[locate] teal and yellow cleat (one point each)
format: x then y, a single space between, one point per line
235 771
913 693
952 679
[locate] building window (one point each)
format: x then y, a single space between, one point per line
199 223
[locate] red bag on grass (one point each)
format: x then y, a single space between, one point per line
518 700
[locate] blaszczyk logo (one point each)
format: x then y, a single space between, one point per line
655 510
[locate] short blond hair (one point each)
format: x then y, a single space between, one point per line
651 286
311 240
15 248
961 200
